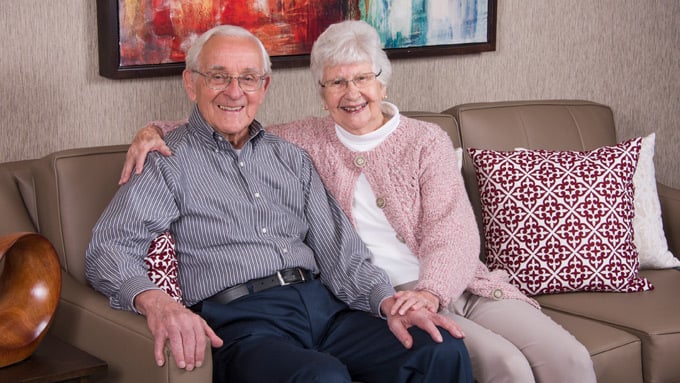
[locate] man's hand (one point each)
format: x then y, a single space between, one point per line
170 321
148 139
421 318
414 300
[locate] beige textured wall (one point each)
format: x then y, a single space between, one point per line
624 53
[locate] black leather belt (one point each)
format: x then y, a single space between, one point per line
281 278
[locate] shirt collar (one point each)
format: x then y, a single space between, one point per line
366 142
215 141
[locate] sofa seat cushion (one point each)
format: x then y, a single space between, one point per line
652 316
616 354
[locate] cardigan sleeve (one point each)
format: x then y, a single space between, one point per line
447 233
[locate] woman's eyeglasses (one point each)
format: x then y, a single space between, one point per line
361 80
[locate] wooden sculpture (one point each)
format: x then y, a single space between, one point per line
30 285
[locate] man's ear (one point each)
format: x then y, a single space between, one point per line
189 80
267 82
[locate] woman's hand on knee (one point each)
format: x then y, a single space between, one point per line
414 300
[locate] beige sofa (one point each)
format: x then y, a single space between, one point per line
632 337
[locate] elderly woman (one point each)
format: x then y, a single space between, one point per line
397 180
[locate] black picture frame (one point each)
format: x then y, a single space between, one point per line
110 54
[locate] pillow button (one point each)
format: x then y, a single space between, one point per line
498 294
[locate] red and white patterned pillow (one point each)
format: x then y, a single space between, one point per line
561 221
161 262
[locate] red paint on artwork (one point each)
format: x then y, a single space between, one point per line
160 31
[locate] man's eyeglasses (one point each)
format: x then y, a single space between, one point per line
220 81
361 80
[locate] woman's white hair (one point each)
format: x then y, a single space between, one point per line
349 42
228 31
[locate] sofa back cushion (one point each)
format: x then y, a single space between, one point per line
445 120
549 125
73 189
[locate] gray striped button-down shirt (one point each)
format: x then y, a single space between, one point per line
235 217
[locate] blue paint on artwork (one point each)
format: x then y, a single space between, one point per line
409 23
470 20
419 25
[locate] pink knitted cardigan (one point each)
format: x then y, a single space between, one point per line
415 175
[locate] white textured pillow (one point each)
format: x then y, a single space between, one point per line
459 157
650 238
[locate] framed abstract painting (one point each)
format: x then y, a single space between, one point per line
144 38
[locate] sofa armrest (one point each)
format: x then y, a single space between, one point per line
121 338
670 211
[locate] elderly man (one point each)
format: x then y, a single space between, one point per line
272 272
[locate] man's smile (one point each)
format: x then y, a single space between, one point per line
230 108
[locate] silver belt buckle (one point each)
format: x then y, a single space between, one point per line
282 282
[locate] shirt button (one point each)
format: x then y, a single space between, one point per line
257 195
498 294
241 164
380 202
264 229
284 250
360 161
